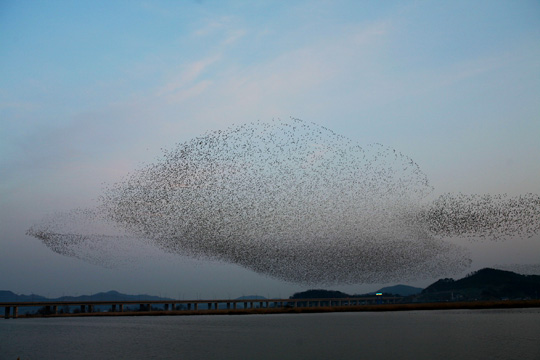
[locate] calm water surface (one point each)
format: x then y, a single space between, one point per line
452 334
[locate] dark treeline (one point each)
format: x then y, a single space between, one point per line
484 284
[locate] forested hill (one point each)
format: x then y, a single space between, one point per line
396 290
320 294
487 284
8 296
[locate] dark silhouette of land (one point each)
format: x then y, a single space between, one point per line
397 290
483 289
486 284
483 285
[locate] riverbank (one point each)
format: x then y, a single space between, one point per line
473 305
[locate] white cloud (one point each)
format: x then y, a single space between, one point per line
189 92
233 36
212 26
187 76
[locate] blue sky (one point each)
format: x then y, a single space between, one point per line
89 91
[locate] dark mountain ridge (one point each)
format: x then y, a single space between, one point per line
396 290
485 284
9 296
401 290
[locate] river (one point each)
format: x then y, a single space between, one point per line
445 334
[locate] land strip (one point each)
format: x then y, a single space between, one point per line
508 304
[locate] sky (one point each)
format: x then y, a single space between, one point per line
91 91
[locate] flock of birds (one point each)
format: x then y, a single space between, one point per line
292 200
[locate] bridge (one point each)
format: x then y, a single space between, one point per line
51 308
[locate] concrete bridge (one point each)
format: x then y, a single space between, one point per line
51 308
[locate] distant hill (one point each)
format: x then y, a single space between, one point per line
484 284
319 294
8 296
401 290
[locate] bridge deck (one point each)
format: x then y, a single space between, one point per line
193 305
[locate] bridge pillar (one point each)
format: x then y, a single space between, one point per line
15 312
90 308
7 310
55 309
82 308
234 305
196 306
121 308
245 305
228 306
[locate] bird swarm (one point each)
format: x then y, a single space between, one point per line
295 201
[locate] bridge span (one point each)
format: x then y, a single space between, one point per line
58 308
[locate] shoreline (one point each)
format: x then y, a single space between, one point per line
472 305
